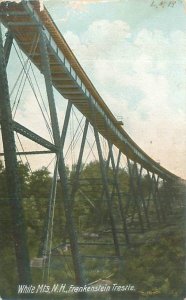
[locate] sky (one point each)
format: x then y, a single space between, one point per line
134 53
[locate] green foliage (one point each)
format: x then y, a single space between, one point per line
157 265
154 263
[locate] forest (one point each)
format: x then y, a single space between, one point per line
154 261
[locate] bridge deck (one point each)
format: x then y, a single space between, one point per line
25 20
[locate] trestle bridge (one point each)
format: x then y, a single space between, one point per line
142 206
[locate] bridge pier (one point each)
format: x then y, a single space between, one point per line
75 180
152 194
134 193
61 165
12 175
79 163
161 201
107 193
168 196
140 192
115 169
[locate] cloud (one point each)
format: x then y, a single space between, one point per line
78 5
142 78
18 1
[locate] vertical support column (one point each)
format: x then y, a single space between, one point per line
155 197
65 125
121 210
134 194
151 181
8 46
102 198
77 173
63 136
168 195
159 200
61 164
49 226
107 193
140 190
149 190
79 163
18 224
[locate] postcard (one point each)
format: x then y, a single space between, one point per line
92 149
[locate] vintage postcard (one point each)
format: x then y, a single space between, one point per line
92 149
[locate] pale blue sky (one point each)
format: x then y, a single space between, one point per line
135 56
138 14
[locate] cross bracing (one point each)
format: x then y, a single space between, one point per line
125 212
